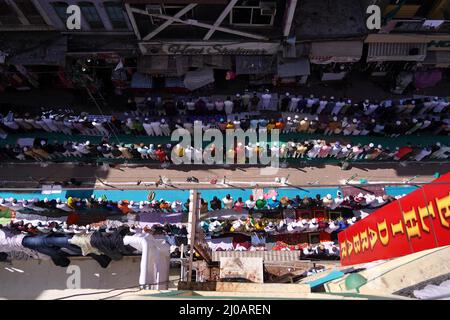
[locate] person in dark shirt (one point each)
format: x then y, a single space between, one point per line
216 204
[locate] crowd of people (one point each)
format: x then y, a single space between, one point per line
325 115
40 149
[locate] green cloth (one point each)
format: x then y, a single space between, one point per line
261 203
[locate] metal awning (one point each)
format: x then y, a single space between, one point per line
396 52
198 78
255 65
336 51
33 48
293 67
439 58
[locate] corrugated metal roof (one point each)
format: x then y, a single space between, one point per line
396 51
266 255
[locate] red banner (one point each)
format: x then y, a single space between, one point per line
416 222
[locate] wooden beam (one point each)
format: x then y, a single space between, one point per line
202 25
132 20
219 20
19 12
42 12
290 10
169 22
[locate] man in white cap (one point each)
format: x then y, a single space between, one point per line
165 129
266 100
293 105
284 103
310 102
345 151
322 104
303 125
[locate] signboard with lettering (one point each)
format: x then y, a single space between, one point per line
209 48
416 222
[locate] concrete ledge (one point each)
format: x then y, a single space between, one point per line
239 287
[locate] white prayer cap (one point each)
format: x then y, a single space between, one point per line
398 122
371 145
380 146
355 121
289 118
332 98
349 101
238 95
438 144
88 142
287 93
296 116
335 118
349 146
45 199
367 101
329 196
414 121
306 119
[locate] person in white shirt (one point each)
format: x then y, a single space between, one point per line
50 124
266 100
250 203
44 126
156 126
148 127
190 106
338 106
228 104
294 103
165 129
322 104
100 128
310 102
228 202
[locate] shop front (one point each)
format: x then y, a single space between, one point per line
333 60
192 66
404 59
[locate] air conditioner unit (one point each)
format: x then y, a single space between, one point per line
268 7
154 9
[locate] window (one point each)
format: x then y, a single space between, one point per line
91 15
8 15
61 10
116 15
253 13
29 10
169 10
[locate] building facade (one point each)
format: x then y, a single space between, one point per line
413 44
207 41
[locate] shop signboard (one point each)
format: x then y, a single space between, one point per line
416 222
209 48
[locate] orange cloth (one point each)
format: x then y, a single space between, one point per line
124 207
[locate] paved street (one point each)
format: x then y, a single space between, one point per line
126 177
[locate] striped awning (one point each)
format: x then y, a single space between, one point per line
384 51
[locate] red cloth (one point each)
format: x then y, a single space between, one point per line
72 218
402 152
